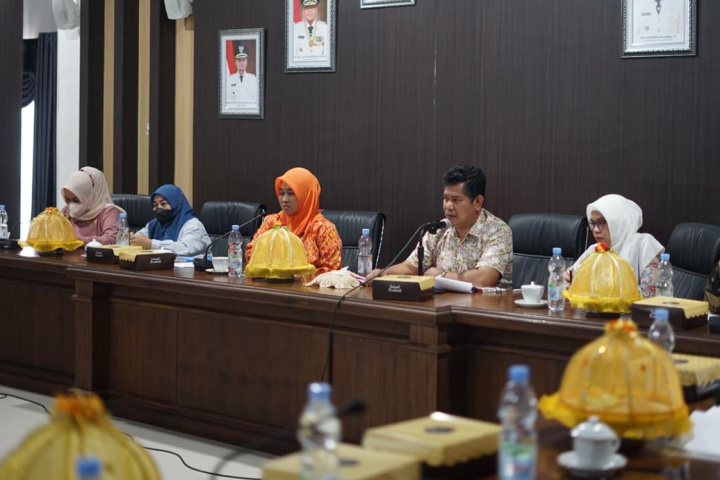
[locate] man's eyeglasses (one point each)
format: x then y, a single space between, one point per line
599 224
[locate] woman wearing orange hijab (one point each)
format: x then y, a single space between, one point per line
298 192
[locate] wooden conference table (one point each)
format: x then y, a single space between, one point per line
230 359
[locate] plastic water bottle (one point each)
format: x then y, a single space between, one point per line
319 435
88 468
365 253
517 458
122 237
556 281
4 231
235 241
661 332
664 285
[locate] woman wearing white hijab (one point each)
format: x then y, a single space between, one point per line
614 220
90 209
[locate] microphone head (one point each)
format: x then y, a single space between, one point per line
445 224
352 407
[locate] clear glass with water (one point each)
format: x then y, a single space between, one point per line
319 434
556 281
664 286
365 246
661 332
517 458
4 230
122 236
235 253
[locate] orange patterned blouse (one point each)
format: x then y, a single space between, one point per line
322 242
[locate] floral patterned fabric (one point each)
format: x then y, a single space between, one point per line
712 291
322 242
648 278
487 244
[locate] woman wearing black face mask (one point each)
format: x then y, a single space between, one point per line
175 226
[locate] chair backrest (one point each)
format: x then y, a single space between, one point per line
349 224
535 235
694 249
138 208
219 217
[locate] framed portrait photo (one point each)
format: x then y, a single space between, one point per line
385 3
310 35
659 28
241 73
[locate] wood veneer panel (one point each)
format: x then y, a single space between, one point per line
143 350
245 368
531 91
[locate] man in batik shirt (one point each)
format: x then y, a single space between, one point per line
477 249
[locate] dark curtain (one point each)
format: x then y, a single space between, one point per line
29 64
44 161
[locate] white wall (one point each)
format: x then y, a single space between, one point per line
68 108
37 18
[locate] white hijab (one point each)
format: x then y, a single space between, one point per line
624 219
89 186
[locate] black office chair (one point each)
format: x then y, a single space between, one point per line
349 224
694 249
219 217
138 208
534 237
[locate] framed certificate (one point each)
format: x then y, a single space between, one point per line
310 35
659 28
385 3
241 73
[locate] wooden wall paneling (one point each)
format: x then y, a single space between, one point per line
222 357
144 95
11 73
528 90
125 161
162 96
92 335
92 46
143 350
184 105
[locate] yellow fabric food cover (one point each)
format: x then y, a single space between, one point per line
79 426
604 283
51 230
627 381
278 254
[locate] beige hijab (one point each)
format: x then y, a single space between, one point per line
89 186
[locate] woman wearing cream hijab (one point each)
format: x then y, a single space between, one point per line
614 220
89 207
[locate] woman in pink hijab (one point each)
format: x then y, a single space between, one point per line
89 207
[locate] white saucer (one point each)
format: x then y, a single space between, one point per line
524 304
569 461
212 270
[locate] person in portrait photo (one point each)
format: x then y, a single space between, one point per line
242 86
310 33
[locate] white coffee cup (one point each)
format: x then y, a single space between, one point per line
220 264
532 293
594 443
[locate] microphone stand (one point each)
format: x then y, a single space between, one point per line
432 230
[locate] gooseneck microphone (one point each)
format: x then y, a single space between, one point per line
202 264
432 228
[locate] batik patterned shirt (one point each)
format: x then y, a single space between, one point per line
487 244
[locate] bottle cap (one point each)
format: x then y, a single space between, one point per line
319 391
123 215
235 228
665 257
661 314
88 467
519 373
2 207
366 231
557 251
